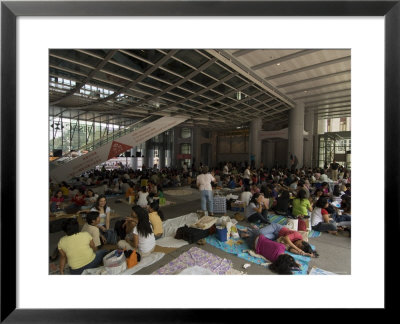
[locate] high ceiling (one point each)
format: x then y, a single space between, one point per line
221 89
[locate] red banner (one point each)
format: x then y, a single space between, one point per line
184 156
117 148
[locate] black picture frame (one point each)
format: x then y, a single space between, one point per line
11 10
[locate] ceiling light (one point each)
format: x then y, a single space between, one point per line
278 64
238 95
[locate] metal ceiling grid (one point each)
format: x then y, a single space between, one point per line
198 83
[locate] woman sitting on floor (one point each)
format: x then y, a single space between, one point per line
325 189
273 251
142 197
56 202
256 211
301 205
78 249
343 218
320 218
246 195
90 199
142 237
104 225
282 203
156 218
317 194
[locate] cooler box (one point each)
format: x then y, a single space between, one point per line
238 206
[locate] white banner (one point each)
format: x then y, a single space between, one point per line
88 161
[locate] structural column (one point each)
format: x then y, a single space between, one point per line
255 142
162 156
295 136
308 143
149 155
315 142
269 163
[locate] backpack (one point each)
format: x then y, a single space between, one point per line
191 234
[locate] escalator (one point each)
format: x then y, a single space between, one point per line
72 165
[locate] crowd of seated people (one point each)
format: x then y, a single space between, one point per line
297 193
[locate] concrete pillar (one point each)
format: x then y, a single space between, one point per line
213 161
308 143
322 126
162 154
132 158
255 143
295 136
269 163
175 147
315 142
149 156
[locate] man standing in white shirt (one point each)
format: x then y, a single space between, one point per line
246 176
203 182
226 169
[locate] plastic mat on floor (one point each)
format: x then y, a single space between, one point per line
236 246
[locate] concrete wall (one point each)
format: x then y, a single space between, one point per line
232 148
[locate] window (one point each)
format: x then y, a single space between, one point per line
185 148
186 133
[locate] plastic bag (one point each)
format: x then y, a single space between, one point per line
115 262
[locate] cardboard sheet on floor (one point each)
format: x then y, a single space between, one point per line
145 262
196 257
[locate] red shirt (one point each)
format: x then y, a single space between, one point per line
324 211
79 200
293 235
56 199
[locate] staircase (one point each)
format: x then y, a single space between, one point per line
108 147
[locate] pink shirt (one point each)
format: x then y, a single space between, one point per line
293 235
271 250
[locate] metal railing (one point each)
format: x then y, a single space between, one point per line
65 158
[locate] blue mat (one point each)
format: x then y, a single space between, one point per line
283 221
238 245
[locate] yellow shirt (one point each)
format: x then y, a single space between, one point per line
77 249
156 222
65 191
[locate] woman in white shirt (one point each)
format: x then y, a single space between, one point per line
104 225
142 238
142 197
246 195
203 182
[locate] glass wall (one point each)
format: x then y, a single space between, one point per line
67 133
